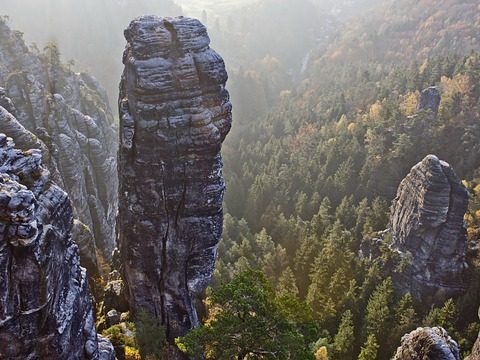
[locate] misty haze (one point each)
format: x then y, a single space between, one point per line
239 179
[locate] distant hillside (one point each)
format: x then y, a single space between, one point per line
406 30
90 32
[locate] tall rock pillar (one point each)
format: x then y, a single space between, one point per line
174 115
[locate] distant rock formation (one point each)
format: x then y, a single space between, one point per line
428 344
174 115
68 114
46 308
429 99
428 232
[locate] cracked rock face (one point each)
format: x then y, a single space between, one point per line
428 344
72 125
428 232
174 115
46 309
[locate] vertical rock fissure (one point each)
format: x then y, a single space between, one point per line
173 87
164 318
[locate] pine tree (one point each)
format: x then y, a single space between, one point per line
378 318
248 308
287 284
345 339
446 317
369 349
346 213
406 318
331 274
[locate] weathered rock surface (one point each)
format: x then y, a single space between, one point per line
68 114
428 232
45 304
428 344
429 100
174 115
475 355
83 237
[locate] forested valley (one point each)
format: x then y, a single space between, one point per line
328 119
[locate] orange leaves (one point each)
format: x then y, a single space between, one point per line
303 137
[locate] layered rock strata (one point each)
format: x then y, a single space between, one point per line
174 115
69 114
428 344
46 309
428 232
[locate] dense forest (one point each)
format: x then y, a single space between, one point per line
314 177
326 125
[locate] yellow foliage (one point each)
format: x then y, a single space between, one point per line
477 214
213 312
409 103
476 190
468 218
375 111
352 127
321 354
460 84
424 66
132 353
342 123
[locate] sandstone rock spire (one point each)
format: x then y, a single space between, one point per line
174 115
428 232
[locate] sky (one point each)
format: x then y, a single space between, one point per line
216 7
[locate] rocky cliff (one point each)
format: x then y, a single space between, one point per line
72 124
428 232
46 309
428 344
174 115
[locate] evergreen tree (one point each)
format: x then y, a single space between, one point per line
446 317
406 318
378 319
250 322
287 284
344 341
331 274
370 349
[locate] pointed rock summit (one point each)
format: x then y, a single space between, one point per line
174 115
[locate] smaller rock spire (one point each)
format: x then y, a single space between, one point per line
428 232
429 99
